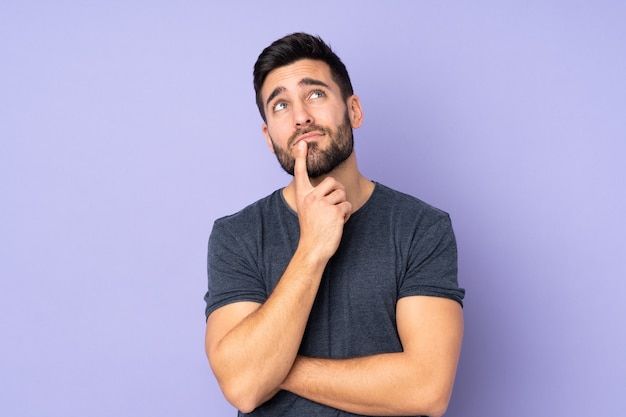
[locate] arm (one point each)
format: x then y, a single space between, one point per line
252 347
417 381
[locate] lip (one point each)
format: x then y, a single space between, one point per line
309 137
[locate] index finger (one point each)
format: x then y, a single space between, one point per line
300 172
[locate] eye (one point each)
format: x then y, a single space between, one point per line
281 105
317 94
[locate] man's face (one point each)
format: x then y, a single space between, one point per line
303 103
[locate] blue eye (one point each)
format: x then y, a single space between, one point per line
280 106
317 94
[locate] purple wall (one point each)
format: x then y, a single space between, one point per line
128 127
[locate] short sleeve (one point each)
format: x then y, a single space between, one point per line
432 264
232 270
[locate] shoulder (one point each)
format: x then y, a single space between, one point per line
252 213
240 233
387 199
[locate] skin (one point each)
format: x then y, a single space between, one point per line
253 348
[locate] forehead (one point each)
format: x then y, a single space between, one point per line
288 77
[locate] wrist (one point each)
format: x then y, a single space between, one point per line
313 257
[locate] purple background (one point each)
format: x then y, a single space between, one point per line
127 127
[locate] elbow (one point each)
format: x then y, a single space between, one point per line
240 399
438 409
244 394
235 389
430 408
240 394
244 391
433 403
438 402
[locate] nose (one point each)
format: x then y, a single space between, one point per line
302 117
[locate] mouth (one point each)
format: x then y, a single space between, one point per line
308 137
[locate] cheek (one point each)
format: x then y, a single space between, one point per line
279 135
335 117
274 140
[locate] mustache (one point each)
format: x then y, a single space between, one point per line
304 131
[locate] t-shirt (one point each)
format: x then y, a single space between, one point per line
394 246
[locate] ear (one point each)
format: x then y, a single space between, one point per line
268 139
355 111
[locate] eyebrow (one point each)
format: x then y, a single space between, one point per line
304 81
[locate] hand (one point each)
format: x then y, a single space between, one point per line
322 210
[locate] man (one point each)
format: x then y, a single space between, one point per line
335 295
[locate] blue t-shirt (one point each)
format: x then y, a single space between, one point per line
394 246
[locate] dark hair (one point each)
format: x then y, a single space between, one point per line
295 47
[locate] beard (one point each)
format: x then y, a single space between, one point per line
319 161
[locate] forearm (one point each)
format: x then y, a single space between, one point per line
416 381
393 384
255 355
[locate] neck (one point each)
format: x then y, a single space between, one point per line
358 188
